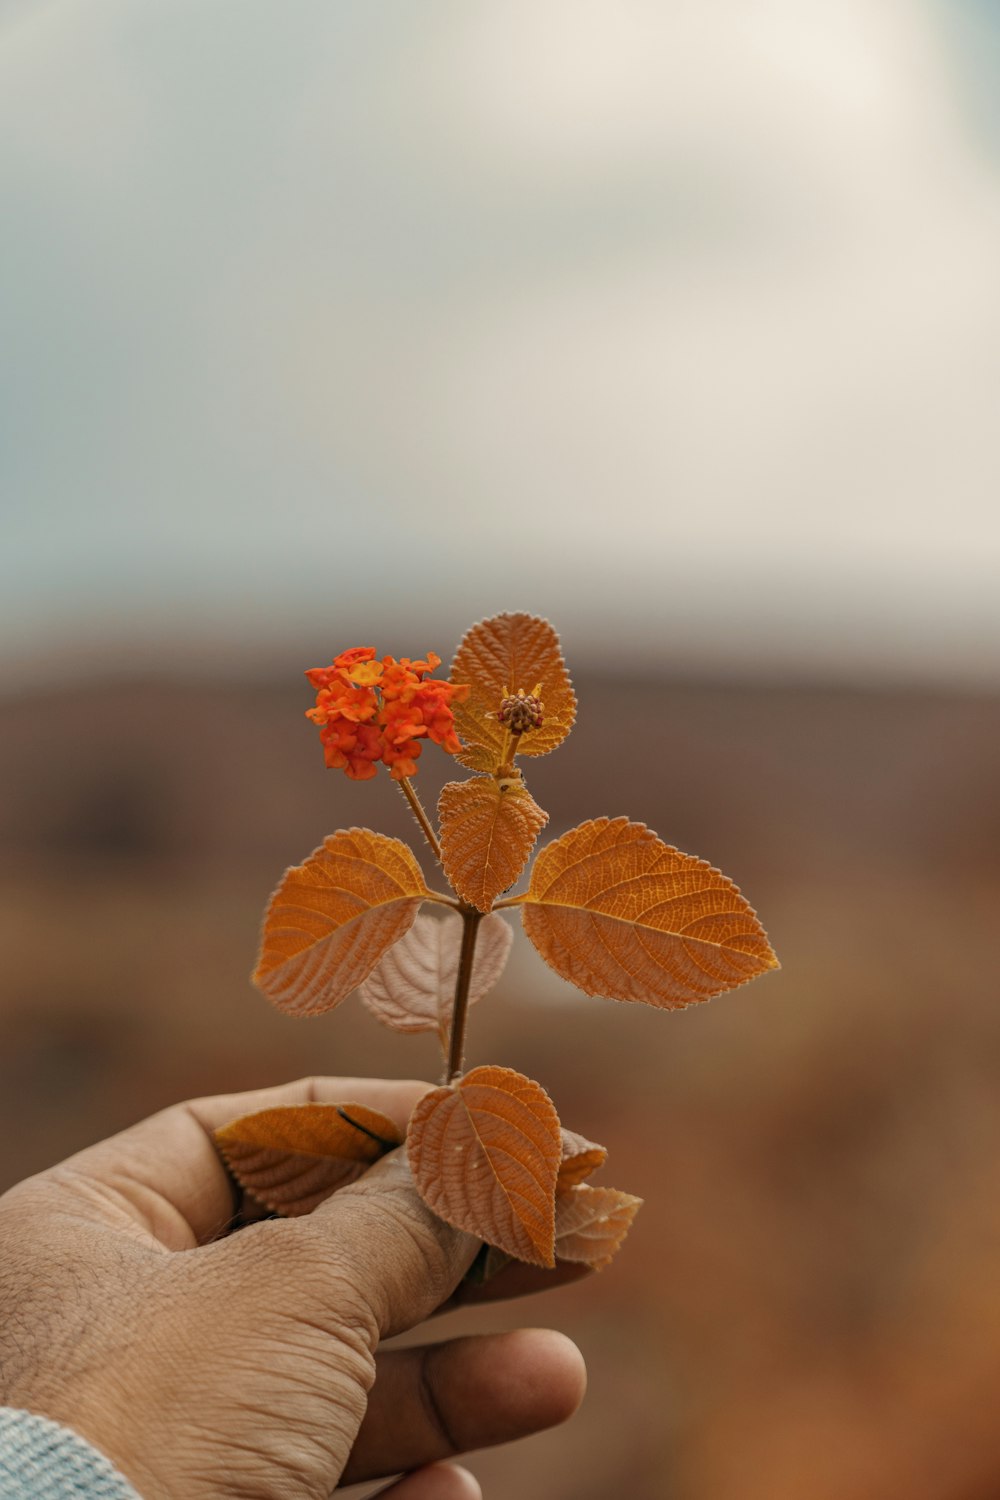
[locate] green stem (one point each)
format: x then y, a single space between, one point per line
471 919
417 808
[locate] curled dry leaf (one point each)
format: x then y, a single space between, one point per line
292 1157
485 1154
580 1158
619 913
413 986
488 830
332 918
518 652
591 1223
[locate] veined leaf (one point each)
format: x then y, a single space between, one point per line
516 652
292 1157
332 917
413 986
591 1223
484 1155
619 913
488 830
580 1158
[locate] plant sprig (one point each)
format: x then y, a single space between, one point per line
608 905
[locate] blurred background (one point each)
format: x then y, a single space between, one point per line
324 325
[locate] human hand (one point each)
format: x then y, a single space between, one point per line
210 1366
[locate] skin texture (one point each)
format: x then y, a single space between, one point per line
211 1365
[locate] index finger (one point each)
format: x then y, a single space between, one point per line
165 1174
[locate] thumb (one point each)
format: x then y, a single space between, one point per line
388 1247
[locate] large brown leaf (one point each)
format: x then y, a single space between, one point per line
517 652
332 917
412 988
488 830
485 1154
619 913
591 1223
293 1156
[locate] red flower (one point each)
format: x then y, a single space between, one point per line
369 711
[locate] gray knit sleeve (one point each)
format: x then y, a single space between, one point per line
39 1460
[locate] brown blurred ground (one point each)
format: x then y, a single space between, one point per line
809 1303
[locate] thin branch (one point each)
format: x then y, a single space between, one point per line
471 919
417 808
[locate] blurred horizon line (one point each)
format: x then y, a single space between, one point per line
780 654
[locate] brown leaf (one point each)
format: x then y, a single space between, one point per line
484 1155
591 1223
516 652
580 1158
294 1156
488 830
413 986
332 917
619 913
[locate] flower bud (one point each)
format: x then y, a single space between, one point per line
521 711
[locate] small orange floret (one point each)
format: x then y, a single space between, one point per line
365 674
348 659
370 710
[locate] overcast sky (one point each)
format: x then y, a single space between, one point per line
678 322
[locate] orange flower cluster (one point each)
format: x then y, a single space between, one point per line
370 711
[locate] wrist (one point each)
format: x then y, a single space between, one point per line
42 1457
